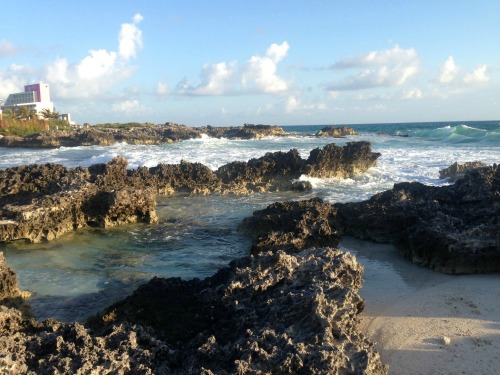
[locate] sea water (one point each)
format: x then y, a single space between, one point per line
81 273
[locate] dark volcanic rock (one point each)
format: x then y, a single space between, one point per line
341 162
42 202
455 171
292 226
453 229
276 312
336 131
271 313
248 131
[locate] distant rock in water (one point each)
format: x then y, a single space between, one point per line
42 202
452 229
336 131
455 171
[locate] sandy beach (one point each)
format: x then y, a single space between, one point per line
425 322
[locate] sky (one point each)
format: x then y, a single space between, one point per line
271 62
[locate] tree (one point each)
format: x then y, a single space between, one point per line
24 112
48 114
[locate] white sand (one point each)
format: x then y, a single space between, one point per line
425 322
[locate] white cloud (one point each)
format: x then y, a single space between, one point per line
130 38
388 68
292 103
162 89
412 94
373 96
258 75
377 58
477 76
449 71
97 64
99 71
128 106
14 78
216 79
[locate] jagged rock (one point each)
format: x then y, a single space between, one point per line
336 131
41 203
11 296
301 185
248 131
8 281
341 162
292 313
292 226
452 229
455 171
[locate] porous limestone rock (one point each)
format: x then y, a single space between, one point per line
452 229
336 131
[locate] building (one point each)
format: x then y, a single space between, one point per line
36 96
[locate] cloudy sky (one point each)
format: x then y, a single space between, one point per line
231 62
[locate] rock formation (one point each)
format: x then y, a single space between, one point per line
455 171
452 229
42 202
145 135
289 308
292 226
336 131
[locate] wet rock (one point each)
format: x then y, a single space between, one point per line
336 131
276 171
42 202
455 171
8 281
248 131
11 297
452 229
292 226
341 162
301 185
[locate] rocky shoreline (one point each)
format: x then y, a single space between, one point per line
42 202
149 134
290 306
138 135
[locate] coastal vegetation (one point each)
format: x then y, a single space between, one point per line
24 121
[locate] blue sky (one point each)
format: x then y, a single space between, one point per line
269 62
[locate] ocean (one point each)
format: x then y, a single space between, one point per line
81 273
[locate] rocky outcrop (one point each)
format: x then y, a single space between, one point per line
42 202
146 134
292 226
341 162
248 131
455 171
336 131
452 229
276 312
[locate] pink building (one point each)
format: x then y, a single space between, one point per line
36 96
